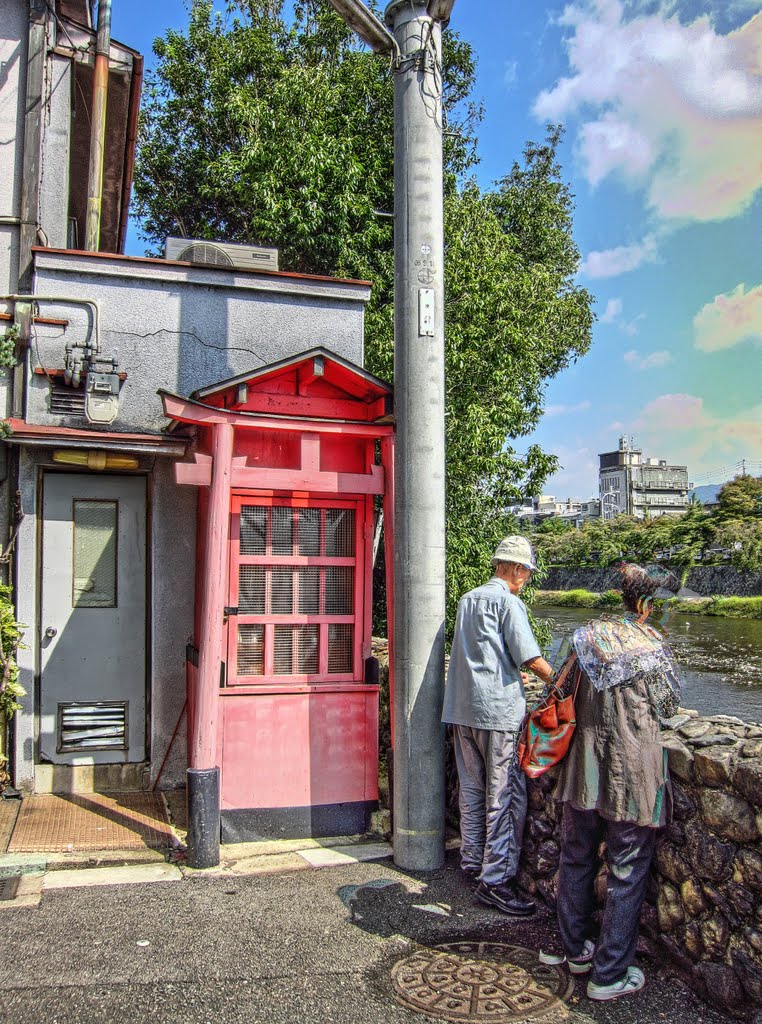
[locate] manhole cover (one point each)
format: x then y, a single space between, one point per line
479 981
8 887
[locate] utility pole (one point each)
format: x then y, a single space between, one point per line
419 556
415 44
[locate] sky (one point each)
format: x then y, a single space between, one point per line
662 106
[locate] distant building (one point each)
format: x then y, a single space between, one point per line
632 485
537 510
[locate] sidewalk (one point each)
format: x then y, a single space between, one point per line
359 943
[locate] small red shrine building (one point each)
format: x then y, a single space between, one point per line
283 702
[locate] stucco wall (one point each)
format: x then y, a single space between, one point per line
13 48
182 328
54 158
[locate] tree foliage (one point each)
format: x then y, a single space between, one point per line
265 128
741 498
695 537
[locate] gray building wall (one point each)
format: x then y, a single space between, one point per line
183 327
13 50
179 327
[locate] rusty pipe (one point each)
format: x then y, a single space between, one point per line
98 131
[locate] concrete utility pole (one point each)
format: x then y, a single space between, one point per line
419 555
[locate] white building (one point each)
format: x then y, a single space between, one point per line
634 485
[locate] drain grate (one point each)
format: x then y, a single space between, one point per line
480 982
9 887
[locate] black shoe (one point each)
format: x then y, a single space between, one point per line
470 876
506 898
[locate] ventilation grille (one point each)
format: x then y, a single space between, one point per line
210 255
66 401
100 726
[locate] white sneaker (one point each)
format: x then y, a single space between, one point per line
633 981
577 965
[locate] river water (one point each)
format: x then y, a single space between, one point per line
721 659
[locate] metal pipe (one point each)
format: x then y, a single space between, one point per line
68 300
98 134
419 479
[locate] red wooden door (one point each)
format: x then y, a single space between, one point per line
297 590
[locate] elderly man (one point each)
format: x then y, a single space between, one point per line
484 702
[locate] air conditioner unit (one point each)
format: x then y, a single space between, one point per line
221 254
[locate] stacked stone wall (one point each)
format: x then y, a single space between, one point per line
703 908
705 580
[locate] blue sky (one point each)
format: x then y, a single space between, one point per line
662 103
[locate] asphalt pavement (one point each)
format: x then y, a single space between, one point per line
315 946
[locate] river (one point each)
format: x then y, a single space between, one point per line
721 659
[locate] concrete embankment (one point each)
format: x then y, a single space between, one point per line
609 600
706 580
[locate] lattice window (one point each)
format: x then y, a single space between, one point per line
295 596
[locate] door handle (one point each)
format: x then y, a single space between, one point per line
50 632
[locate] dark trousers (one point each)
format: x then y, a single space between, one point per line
493 802
629 850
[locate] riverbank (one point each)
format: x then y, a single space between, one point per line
610 600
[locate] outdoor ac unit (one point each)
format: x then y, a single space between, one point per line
221 254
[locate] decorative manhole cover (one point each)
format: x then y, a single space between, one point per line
479 981
8 887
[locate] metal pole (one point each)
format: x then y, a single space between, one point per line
98 132
419 555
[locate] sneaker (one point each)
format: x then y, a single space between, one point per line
471 875
506 898
578 964
633 981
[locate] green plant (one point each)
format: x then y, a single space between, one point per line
10 641
8 343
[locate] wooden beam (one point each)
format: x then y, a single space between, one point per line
186 411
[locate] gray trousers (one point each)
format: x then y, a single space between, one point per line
493 802
629 849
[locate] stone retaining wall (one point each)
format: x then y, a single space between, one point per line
703 909
706 580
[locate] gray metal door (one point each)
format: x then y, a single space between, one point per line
93 623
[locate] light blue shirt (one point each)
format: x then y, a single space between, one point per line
492 640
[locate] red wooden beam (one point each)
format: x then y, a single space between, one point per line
186 410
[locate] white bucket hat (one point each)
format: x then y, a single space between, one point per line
515 549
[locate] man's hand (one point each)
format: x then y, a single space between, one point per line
540 668
526 678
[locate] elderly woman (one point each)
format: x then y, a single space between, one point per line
614 783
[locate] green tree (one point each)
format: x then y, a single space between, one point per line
741 498
268 128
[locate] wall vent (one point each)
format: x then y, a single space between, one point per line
221 254
65 400
97 726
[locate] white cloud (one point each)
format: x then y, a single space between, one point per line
612 311
564 410
674 108
612 262
649 362
729 320
679 428
510 72
578 475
